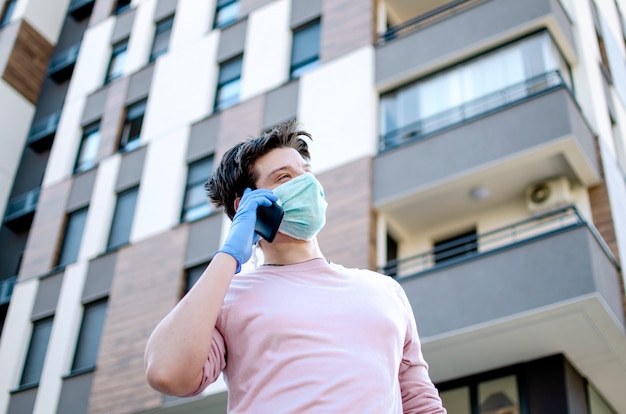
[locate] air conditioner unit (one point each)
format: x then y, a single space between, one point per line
548 195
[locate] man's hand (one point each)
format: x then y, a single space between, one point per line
241 236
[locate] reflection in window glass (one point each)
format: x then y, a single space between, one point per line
88 149
499 396
36 352
117 62
305 49
228 84
457 401
226 13
162 34
196 204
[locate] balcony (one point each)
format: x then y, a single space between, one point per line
20 210
80 9
6 289
539 287
425 39
503 142
42 132
62 64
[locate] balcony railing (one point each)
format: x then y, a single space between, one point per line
62 64
6 289
489 242
422 20
80 9
21 209
42 132
471 109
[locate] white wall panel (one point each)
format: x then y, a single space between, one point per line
267 50
141 37
337 104
47 17
192 22
182 90
66 142
13 347
15 118
100 211
62 339
162 185
93 60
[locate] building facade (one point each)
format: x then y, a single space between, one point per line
475 150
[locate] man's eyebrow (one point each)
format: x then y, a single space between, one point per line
306 166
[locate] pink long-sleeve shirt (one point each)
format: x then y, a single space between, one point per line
316 337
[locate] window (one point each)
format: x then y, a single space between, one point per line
228 84
192 275
226 13
305 50
391 268
457 246
123 218
162 35
474 87
88 149
88 343
74 228
7 12
196 204
36 352
117 62
131 131
121 6
497 396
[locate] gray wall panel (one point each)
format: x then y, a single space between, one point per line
130 170
13 245
47 296
74 398
94 107
71 34
281 104
51 98
22 402
139 85
99 277
303 11
30 172
232 40
123 26
82 187
164 9
203 138
203 241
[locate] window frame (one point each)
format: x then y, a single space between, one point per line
200 182
8 8
465 242
220 105
297 69
41 326
87 328
133 119
164 25
192 274
88 133
117 50
121 6
70 223
220 7
113 244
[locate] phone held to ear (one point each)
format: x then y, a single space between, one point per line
268 220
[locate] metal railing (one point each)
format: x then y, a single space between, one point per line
471 109
44 127
22 205
504 237
64 59
6 289
77 4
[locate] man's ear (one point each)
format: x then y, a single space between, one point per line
236 203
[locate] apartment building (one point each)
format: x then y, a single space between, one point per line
475 150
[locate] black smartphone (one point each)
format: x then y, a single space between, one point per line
268 220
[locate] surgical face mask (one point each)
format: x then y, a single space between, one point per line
302 198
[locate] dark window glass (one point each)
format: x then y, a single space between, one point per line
117 62
392 255
192 275
36 352
88 149
89 337
121 6
162 35
131 131
7 12
196 203
457 246
73 236
305 50
228 84
226 13
123 218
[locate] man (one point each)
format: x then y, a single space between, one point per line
298 334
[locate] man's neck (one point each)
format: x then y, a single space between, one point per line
287 250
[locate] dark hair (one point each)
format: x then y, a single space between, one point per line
235 172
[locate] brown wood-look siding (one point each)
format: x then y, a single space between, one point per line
239 123
346 25
28 62
112 117
46 232
348 237
146 286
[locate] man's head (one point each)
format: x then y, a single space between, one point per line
236 171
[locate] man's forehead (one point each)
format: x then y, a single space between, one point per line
277 159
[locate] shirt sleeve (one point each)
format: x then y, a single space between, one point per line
419 394
214 364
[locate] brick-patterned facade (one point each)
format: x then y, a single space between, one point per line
146 285
346 26
113 117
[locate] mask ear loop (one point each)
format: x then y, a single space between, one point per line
255 257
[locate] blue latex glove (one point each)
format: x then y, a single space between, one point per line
242 236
